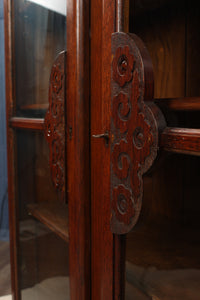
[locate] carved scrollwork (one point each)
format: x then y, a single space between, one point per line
123 65
134 128
55 124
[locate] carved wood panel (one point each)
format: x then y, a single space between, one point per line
55 124
135 123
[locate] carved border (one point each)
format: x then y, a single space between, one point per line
55 124
134 128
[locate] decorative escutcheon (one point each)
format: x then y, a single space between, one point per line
55 124
135 124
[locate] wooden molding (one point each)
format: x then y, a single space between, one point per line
181 140
27 123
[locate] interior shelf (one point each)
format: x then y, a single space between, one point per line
164 246
53 215
161 262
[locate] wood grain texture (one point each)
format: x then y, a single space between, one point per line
134 128
171 188
181 140
166 251
27 123
53 215
55 124
180 104
122 15
102 26
162 22
192 46
78 168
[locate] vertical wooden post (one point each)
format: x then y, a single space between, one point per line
103 24
122 25
78 168
122 15
107 17
11 149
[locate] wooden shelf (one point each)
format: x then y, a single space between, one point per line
35 106
180 104
27 123
165 246
162 259
53 215
181 140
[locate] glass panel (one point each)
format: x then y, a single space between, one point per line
162 254
170 31
162 251
40 34
43 224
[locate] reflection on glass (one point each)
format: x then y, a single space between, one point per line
58 6
162 254
39 37
43 224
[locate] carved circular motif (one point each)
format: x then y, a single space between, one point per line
138 138
56 79
122 204
122 64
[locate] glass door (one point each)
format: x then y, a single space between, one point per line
162 260
43 223
39 34
145 150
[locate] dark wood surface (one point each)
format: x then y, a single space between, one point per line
27 123
132 86
78 147
53 215
35 106
165 192
192 25
180 104
79 174
122 15
45 254
119 267
102 26
171 189
55 124
162 22
181 140
175 249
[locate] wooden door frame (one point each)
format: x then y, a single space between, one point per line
77 146
107 16
10 96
